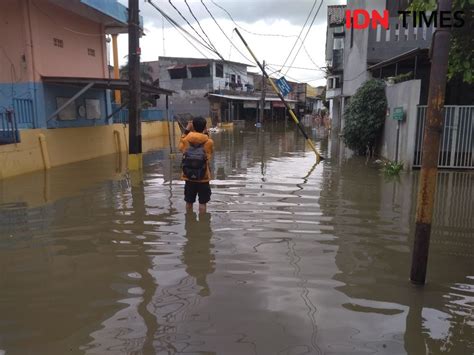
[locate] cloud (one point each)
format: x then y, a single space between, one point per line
242 11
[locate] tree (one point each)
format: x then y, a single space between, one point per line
365 117
461 55
146 76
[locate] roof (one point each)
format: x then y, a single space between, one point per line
248 98
111 13
336 15
409 54
102 83
180 60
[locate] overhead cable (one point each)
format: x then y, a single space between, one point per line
302 29
307 32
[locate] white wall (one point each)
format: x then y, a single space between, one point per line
406 95
355 58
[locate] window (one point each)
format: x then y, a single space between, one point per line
199 70
415 33
219 70
232 78
69 112
91 52
337 83
387 35
338 43
379 33
339 29
58 42
178 72
93 111
397 32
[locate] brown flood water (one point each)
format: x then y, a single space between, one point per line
292 259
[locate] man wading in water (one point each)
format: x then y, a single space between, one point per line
197 149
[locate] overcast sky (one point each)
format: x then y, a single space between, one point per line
275 17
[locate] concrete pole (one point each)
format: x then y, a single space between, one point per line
135 131
431 142
262 100
117 93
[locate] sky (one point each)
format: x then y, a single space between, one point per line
256 19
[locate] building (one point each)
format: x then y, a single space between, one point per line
335 34
400 56
222 90
54 74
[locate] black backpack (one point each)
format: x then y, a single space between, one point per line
194 162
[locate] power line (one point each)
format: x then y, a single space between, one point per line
299 35
309 29
300 68
207 45
264 34
245 30
220 28
197 21
180 29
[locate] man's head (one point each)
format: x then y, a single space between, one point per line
199 124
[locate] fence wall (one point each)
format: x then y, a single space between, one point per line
457 142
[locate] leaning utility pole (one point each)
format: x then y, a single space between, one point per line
134 123
262 100
431 141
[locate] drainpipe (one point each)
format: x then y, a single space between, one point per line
31 50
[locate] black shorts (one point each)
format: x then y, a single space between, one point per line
202 189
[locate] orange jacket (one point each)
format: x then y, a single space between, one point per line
198 138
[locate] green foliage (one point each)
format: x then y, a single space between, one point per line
391 168
365 117
146 76
461 55
402 77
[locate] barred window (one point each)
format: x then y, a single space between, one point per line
58 42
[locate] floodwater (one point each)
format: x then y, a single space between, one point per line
293 258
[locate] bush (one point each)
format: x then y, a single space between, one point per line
391 168
365 116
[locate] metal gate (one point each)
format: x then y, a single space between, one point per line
457 142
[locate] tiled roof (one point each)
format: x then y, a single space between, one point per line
336 14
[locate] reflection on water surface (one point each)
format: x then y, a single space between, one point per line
293 258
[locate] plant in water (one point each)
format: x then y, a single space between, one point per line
365 117
391 168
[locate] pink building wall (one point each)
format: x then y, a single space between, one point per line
13 68
43 22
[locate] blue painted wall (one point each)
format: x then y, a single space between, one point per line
43 97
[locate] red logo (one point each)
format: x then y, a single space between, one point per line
361 18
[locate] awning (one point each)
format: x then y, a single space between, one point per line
407 55
198 65
248 98
176 67
101 83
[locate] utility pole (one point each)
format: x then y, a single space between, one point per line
262 100
431 141
134 122
117 93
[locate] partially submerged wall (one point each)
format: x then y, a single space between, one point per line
43 148
406 95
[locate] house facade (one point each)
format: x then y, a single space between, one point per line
55 102
400 56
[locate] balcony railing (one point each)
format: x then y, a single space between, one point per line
385 44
